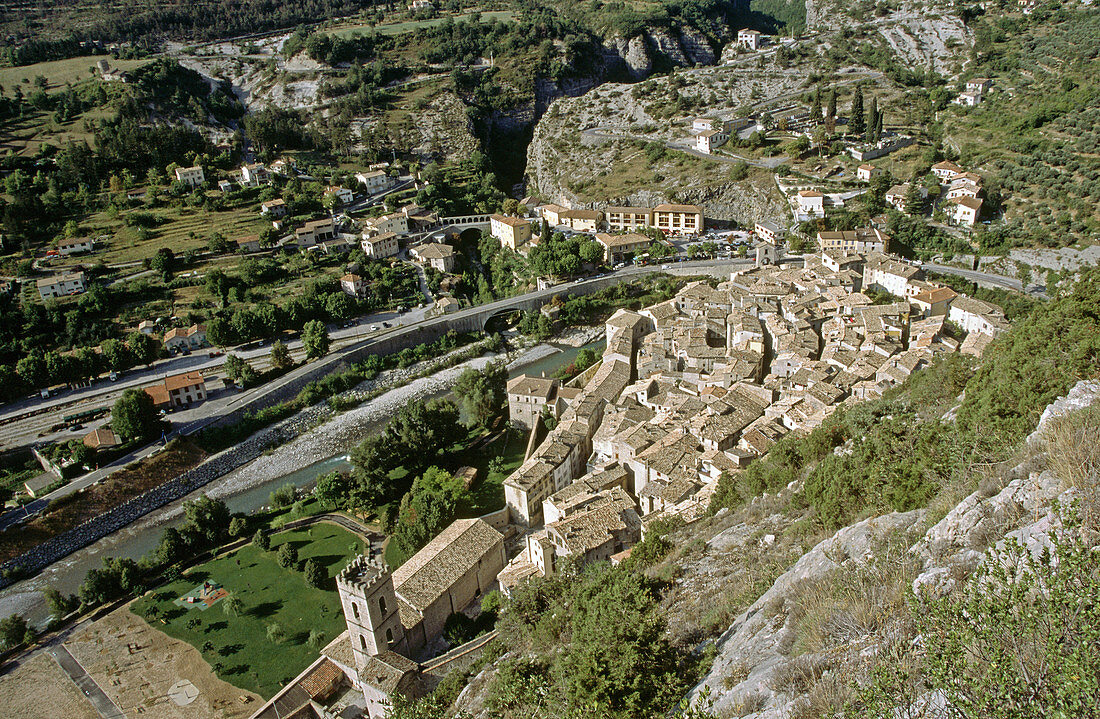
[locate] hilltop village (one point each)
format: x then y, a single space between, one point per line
687 390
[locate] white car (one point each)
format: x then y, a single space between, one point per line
374 328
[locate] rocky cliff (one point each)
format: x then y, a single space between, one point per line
920 34
772 663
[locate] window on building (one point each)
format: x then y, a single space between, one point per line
382 605
363 642
355 610
389 636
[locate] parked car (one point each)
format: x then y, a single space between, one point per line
374 328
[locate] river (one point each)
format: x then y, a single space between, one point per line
137 539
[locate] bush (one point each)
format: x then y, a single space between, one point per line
287 556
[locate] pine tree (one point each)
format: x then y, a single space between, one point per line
830 110
856 124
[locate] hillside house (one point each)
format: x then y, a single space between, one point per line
946 170
75 246
248 243
706 124
353 285
396 222
980 85
255 175
180 338
969 99
511 231
190 176
977 316
384 244
618 247
63 285
707 140
315 231
374 181
769 231
343 195
864 173
749 39
895 196
436 255
678 219
274 208
627 219
811 203
965 210
962 187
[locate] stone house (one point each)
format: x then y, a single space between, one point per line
70 283
965 210
374 181
749 39
527 398
274 208
511 231
75 245
190 176
380 245
436 255
178 390
618 247
353 285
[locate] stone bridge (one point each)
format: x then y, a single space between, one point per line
460 223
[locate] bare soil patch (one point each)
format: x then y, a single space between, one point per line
137 666
37 687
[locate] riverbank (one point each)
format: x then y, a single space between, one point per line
136 539
339 434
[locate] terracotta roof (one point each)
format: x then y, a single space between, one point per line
100 437
511 221
580 214
631 238
187 379
937 295
321 680
531 386
972 202
631 210
435 251
810 193
351 278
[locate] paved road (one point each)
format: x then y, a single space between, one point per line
1007 283
102 703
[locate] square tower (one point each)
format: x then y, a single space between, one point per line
370 608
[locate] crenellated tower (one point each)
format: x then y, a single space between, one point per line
370 608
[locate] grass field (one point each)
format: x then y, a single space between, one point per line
59 73
238 647
400 28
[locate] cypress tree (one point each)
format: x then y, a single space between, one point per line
815 109
830 110
872 120
856 124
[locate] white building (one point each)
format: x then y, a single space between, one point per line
255 175
374 181
353 285
965 210
968 99
707 140
864 173
977 316
61 285
190 176
749 39
769 231
75 246
811 203
381 245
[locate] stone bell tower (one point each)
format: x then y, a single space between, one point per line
370 608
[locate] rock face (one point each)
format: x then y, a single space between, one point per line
754 651
667 45
920 34
696 46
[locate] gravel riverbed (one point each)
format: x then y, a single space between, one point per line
341 432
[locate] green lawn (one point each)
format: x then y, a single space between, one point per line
238 647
